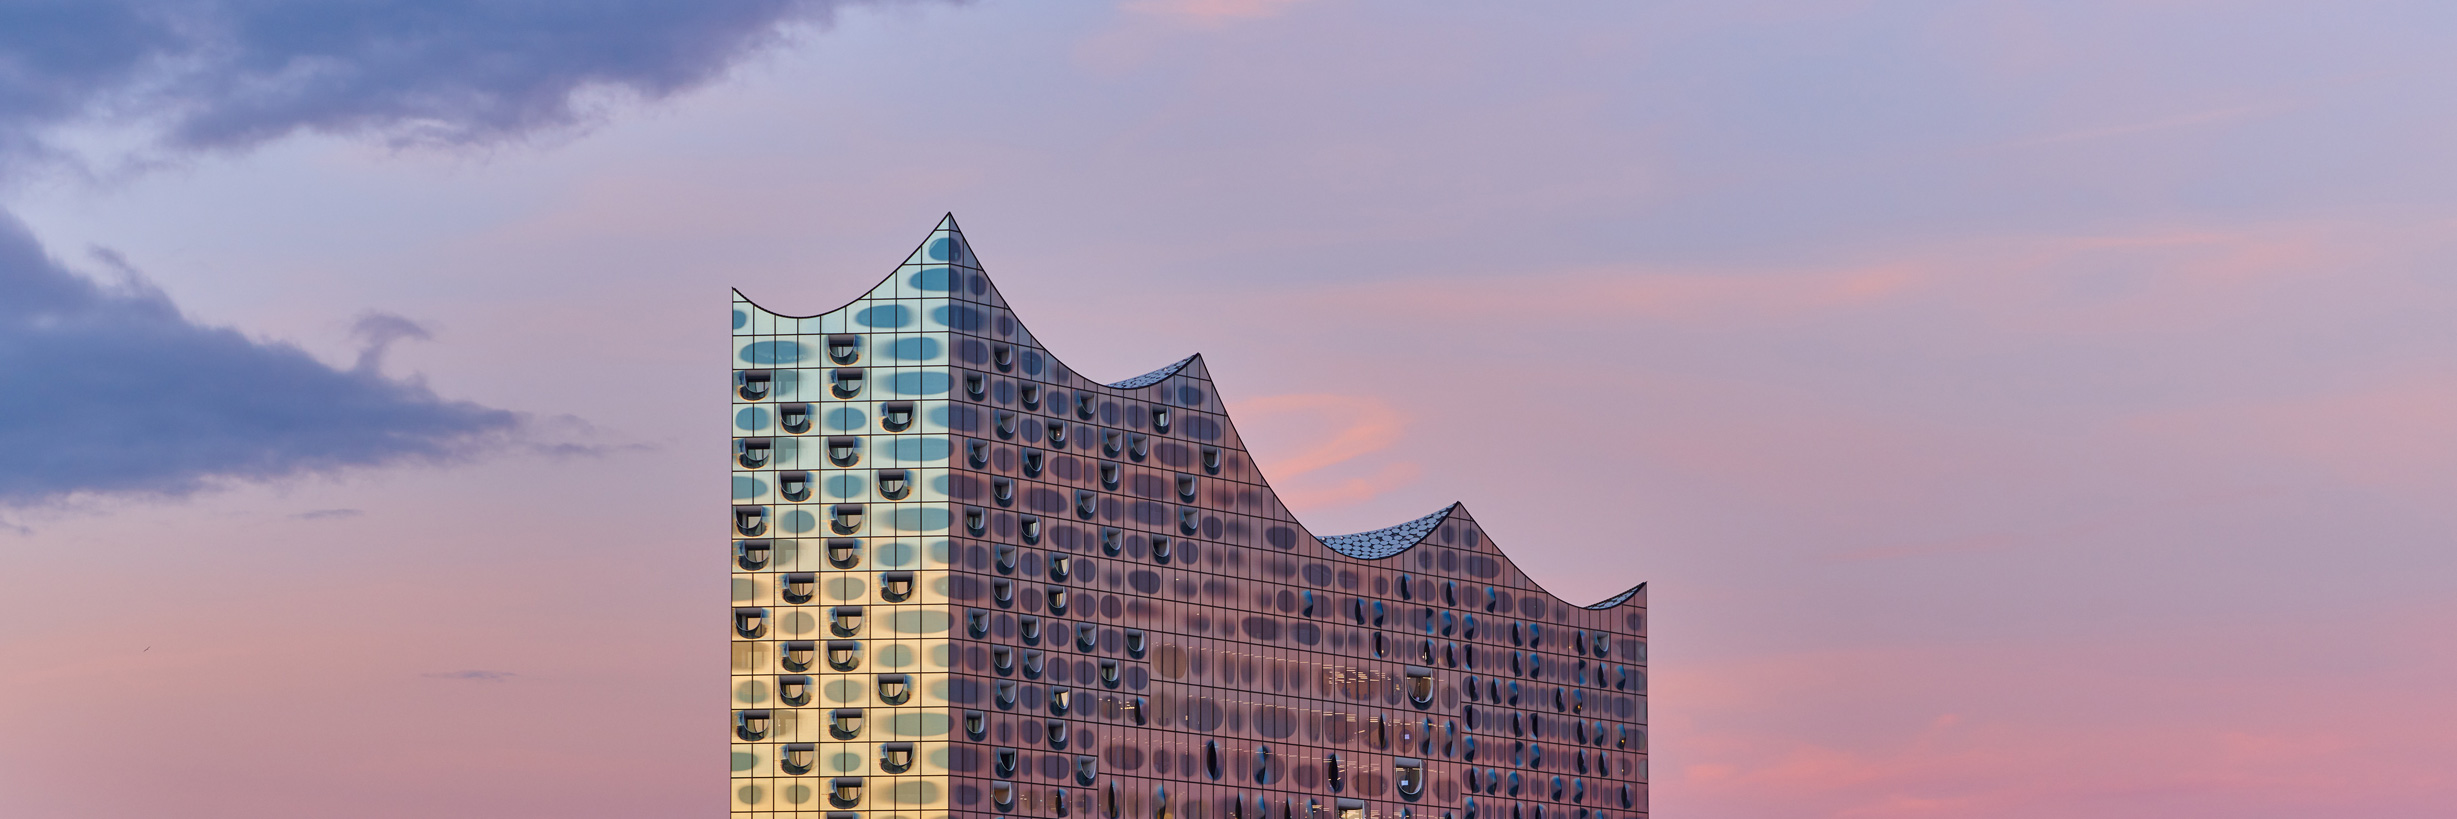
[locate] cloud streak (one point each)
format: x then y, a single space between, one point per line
112 390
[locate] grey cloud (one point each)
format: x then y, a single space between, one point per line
112 390
236 73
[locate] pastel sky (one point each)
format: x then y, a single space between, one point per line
2018 409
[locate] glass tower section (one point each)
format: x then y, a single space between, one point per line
969 582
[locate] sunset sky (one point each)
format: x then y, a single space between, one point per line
2017 409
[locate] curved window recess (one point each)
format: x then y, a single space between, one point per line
1535 635
1518 637
751 623
1087 637
845 518
1003 355
844 552
1109 673
1109 475
1059 566
843 348
977 622
1356 610
1007 556
976 725
1006 694
1060 699
1007 762
798 655
1086 768
976 520
1113 442
1139 709
1004 422
1557 788
976 385
1578 641
1377 614
1514 692
752 555
1030 527
1578 673
1135 642
797 758
1355 809
1189 519
1450 655
1467 627
1559 702
895 587
1028 627
846 382
1057 733
798 587
794 486
1262 764
844 450
1406 588
896 757
1109 802
793 689
1002 490
894 689
1625 800
1083 405
752 385
1379 647
1138 446
751 726
1308 596
1492 598
1331 774
895 416
1032 463
1160 548
1535 666
1057 598
845 791
1002 592
1518 663
1034 661
1603 644
1057 433
894 483
1111 542
1467 686
1408 775
1211 459
1467 749
1514 783
795 418
1580 763
1031 394
976 452
1186 487
1424 652
844 655
752 453
1160 419
1450 624
1211 763
1450 593
1087 504
1002 659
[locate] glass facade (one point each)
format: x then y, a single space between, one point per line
969 582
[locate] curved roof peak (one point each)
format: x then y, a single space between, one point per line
1388 540
1155 376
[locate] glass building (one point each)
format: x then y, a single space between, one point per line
970 582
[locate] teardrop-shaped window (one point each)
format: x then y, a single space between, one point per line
845 518
1111 541
976 520
1160 548
976 452
843 450
895 587
1031 395
1006 693
798 655
1109 475
843 552
752 384
1030 527
1034 662
895 416
842 349
845 791
847 382
1087 504
976 724
1057 433
844 655
1135 642
1186 487
752 453
976 385
797 758
1059 565
895 688
896 757
1211 459
1109 673
1211 765
1033 462
1113 442
893 484
1087 637
1002 591
1057 733
1006 556
1057 599
977 622
751 555
1060 699
1004 422
1002 355
793 689
1002 490
1160 418
1138 446
798 587
1029 628
795 418
795 486
1002 659
751 623
752 726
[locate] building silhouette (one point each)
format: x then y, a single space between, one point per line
970 582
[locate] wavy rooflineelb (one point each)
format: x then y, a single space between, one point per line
945 268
